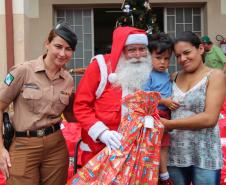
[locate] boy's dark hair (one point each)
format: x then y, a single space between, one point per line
189 37
160 42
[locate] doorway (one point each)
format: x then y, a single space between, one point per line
104 24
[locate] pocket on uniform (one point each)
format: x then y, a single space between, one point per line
32 94
64 99
61 103
32 98
18 157
18 166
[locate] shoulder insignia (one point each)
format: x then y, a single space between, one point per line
9 79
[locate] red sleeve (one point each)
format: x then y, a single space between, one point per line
85 97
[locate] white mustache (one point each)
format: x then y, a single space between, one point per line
133 73
137 60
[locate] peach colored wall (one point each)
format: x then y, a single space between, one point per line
34 18
223 6
37 28
45 19
19 38
45 22
216 19
3 61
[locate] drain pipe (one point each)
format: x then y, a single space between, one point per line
9 33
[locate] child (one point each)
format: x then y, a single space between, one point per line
160 47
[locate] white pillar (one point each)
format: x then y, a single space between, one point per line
3 54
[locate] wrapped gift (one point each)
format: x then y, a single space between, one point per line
72 133
137 160
2 179
222 125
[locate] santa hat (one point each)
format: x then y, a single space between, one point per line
123 36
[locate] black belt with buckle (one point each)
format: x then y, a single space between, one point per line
38 133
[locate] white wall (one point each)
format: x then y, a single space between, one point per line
2 7
223 6
3 61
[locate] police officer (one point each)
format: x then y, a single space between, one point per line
39 90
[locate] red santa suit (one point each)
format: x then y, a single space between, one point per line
97 105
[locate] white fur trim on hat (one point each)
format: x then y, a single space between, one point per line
137 39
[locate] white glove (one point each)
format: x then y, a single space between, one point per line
111 139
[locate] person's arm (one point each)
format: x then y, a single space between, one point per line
168 102
216 91
84 101
9 90
221 57
68 113
4 155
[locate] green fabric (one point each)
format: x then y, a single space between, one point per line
215 58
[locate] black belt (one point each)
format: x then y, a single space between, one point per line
38 133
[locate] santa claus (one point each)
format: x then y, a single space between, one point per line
97 106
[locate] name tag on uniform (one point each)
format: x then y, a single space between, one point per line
31 85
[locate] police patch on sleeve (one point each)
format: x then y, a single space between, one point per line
9 79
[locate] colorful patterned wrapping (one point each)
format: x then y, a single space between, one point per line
137 160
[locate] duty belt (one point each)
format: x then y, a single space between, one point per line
38 133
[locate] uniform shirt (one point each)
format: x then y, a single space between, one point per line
215 58
160 82
38 100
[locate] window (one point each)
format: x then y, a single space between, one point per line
179 20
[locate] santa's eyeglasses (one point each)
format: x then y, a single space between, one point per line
133 51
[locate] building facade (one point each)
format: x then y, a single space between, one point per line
93 22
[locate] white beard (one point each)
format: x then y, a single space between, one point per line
131 74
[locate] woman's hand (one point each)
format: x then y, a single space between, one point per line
165 122
5 162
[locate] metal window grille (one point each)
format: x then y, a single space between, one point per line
178 20
81 20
